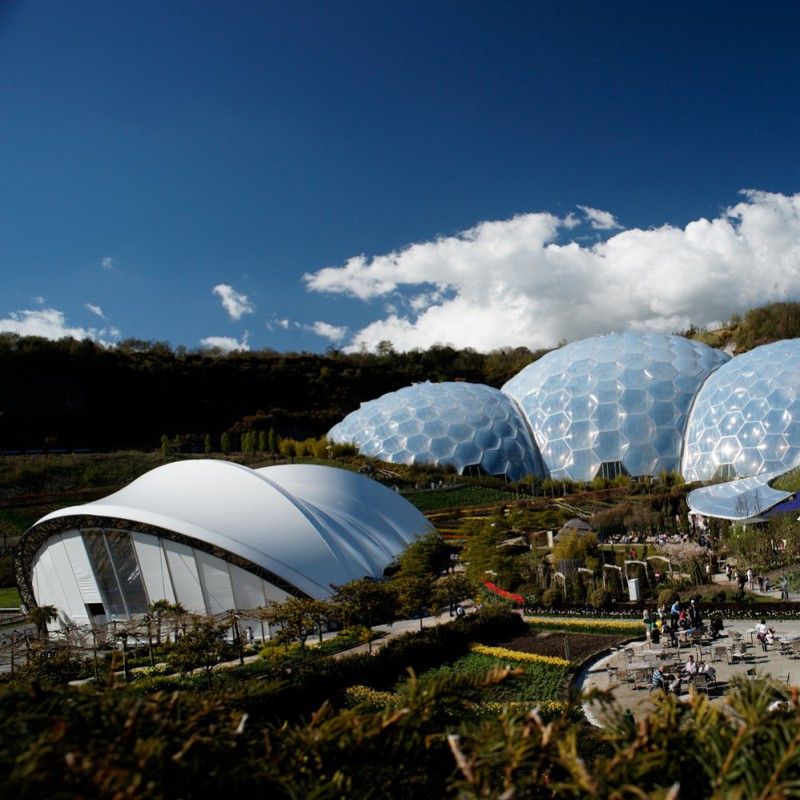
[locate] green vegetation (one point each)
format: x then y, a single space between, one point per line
9 597
458 497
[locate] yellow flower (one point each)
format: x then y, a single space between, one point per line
515 655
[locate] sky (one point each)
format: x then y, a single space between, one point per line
312 175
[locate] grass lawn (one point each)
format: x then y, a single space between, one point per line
9 597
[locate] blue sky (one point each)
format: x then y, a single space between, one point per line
307 175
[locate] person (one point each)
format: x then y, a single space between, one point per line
716 625
707 669
695 617
760 583
767 584
675 612
648 622
460 610
672 632
690 667
659 679
764 634
665 681
728 572
750 577
249 634
655 634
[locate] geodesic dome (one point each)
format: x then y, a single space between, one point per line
475 428
746 417
613 404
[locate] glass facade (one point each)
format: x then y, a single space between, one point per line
613 404
746 419
116 571
475 428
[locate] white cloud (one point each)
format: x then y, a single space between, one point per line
283 324
518 283
600 220
50 323
107 262
96 310
235 303
226 344
333 332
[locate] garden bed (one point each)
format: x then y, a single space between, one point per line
582 646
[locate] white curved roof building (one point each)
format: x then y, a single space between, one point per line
214 536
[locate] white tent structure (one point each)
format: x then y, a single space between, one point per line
213 536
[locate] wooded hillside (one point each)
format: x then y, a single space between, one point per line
72 394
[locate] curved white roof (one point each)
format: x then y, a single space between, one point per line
313 526
743 499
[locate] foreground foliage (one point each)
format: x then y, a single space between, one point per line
109 744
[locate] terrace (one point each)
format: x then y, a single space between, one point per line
627 671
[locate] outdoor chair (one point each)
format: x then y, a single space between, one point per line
719 652
612 673
795 648
640 678
751 673
738 650
700 682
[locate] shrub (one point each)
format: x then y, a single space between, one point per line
600 599
552 598
666 597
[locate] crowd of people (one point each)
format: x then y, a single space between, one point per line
669 623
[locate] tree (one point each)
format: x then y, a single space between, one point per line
296 619
225 443
159 609
451 589
201 646
363 602
41 617
414 596
426 556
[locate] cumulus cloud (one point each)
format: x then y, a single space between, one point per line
50 323
600 220
225 344
525 282
333 332
274 324
96 310
235 303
